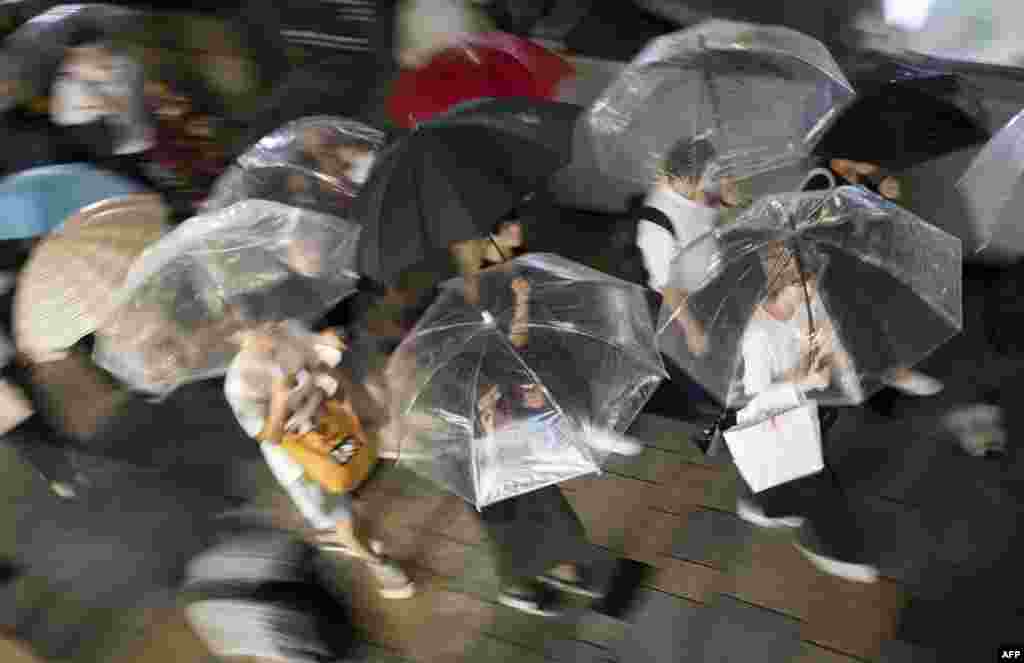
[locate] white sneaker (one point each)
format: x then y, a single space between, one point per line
63 490
913 383
753 514
613 443
979 428
847 570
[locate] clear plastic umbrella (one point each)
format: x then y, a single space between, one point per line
762 95
318 163
187 294
830 290
507 396
993 186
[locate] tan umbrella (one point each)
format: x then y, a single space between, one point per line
65 291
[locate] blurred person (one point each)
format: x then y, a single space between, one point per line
425 28
384 315
679 210
187 155
867 175
257 595
261 387
540 541
336 157
99 87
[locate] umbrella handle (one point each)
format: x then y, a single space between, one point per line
803 277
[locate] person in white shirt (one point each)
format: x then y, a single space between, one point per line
678 211
780 346
260 387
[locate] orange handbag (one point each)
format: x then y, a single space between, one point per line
338 454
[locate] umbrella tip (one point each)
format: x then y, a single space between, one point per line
488 318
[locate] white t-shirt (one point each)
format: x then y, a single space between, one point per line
659 247
770 348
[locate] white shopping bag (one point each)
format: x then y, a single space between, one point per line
778 448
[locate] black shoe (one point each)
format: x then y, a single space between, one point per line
9 571
532 599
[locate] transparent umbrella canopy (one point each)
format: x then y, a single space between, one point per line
873 286
992 187
494 404
318 162
762 95
255 261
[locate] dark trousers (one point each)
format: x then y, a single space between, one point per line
821 501
534 533
49 457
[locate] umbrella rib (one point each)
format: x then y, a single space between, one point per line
474 461
611 344
441 364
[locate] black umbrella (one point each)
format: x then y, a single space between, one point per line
349 85
453 178
904 116
29 141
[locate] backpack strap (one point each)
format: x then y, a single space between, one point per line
655 216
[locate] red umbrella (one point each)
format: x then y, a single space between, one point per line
493 64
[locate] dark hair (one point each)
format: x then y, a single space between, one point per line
507 220
782 268
91 35
689 158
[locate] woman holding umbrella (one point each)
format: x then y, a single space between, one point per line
785 343
100 95
769 288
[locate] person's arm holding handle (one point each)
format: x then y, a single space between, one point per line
274 429
519 329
